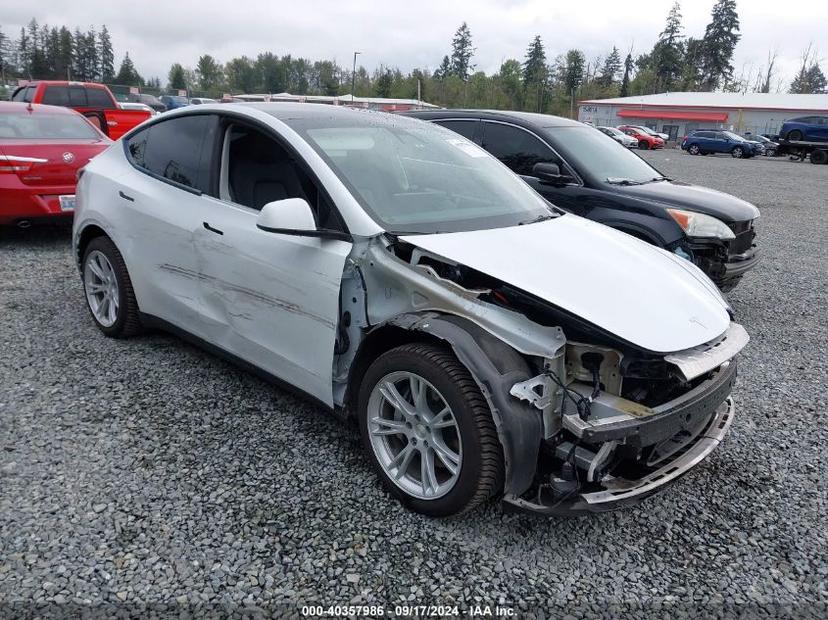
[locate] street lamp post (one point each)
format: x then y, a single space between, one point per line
353 76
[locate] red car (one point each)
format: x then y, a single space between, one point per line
42 147
94 101
645 140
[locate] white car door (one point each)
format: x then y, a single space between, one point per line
161 198
270 299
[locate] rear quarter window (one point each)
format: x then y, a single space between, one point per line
56 95
77 96
178 150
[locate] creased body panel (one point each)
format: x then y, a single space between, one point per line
606 277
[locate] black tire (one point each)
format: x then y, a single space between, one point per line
737 152
482 467
794 135
127 322
819 157
643 145
694 149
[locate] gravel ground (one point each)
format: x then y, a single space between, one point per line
148 476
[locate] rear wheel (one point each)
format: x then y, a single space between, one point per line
694 149
108 290
795 135
429 431
643 145
737 152
819 157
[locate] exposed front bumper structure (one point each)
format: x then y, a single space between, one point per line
618 492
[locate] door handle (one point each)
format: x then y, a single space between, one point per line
211 229
125 197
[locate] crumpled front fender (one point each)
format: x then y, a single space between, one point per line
496 367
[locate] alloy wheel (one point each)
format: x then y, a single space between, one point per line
737 152
694 149
414 435
101 288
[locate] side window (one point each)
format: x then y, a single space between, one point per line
467 129
516 148
179 150
99 98
256 170
77 96
19 94
56 95
25 94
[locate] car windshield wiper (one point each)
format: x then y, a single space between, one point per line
623 181
541 218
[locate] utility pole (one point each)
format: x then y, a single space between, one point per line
353 76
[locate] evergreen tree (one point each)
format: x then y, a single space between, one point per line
241 75
720 39
461 52
23 53
810 79
5 57
106 57
668 52
610 69
625 81
510 78
175 78
691 77
383 82
65 54
534 67
574 72
208 73
127 74
444 70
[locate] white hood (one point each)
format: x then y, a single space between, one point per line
640 293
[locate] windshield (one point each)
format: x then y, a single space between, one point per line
733 136
613 131
604 160
47 127
416 177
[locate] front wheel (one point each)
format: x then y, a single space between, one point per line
108 290
428 431
737 152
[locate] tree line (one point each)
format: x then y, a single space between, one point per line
676 62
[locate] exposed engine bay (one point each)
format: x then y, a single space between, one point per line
587 420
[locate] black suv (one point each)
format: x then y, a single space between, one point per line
581 170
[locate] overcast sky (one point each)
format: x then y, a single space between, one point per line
416 34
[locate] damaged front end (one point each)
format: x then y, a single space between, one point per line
587 422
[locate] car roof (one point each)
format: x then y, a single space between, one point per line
526 118
21 107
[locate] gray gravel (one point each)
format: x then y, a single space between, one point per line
152 477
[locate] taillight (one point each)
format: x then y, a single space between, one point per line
18 163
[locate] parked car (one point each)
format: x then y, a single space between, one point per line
706 141
173 102
805 128
201 100
94 101
130 105
576 169
151 100
41 150
488 344
645 140
770 147
619 136
647 130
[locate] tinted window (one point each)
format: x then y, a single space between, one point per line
56 95
516 148
77 96
704 134
179 149
98 98
24 94
464 128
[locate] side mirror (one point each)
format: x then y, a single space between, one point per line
293 216
550 173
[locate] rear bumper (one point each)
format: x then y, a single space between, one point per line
20 202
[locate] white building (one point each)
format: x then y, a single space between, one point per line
677 114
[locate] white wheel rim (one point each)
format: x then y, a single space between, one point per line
414 435
101 287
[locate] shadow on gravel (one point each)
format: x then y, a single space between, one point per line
44 236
